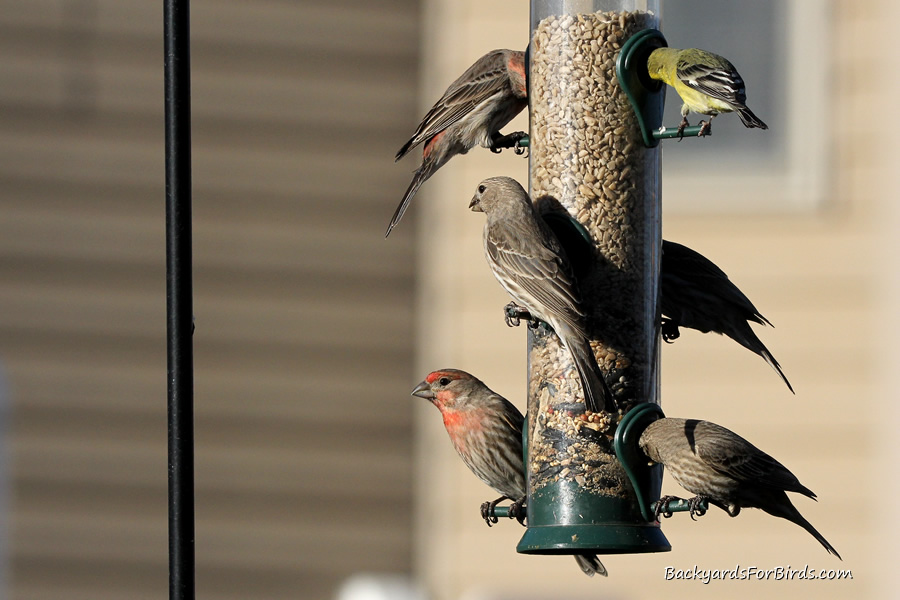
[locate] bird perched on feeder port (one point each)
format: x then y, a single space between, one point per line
529 262
694 292
697 294
707 83
486 431
470 113
722 467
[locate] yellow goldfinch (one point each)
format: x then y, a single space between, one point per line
707 83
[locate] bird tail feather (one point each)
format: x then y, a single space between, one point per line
419 177
590 564
749 119
597 395
767 356
794 516
406 148
744 335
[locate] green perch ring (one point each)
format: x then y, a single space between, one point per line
647 96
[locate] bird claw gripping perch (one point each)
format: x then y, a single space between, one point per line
519 150
517 511
705 128
523 141
512 140
661 508
669 330
487 513
514 314
697 506
487 510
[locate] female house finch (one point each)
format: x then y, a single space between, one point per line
697 294
529 262
724 468
707 83
486 430
694 292
470 113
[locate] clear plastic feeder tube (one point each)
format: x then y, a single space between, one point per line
588 162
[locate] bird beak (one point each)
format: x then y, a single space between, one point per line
423 390
475 204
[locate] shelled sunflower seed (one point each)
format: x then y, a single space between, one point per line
588 158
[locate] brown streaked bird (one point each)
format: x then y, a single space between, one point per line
486 431
529 262
470 113
722 467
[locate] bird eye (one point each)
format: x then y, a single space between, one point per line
481 189
444 380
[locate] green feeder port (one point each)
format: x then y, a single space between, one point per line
647 96
646 479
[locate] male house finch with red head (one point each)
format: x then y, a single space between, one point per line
470 113
698 295
724 468
529 262
486 430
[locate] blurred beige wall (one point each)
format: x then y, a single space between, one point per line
823 277
304 311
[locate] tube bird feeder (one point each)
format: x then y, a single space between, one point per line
598 185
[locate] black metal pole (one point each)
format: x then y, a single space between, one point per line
176 17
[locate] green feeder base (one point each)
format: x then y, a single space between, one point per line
584 522
613 538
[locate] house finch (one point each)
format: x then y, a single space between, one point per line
694 292
707 83
697 294
724 468
486 430
529 262
470 113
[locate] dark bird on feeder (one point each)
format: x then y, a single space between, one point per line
707 83
697 294
694 292
470 113
529 262
486 431
722 467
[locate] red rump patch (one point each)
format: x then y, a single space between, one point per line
517 63
429 145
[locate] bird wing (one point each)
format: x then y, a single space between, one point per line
687 273
541 273
732 455
512 416
484 79
716 78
